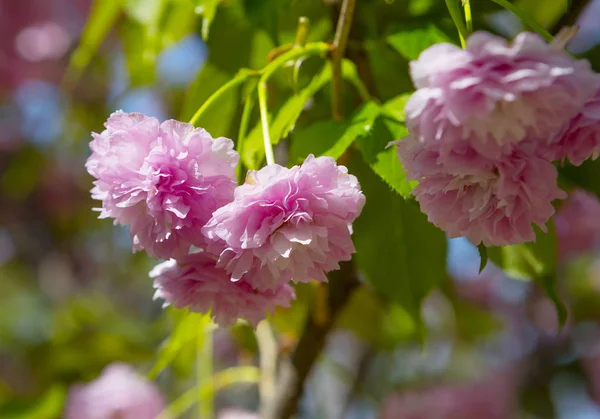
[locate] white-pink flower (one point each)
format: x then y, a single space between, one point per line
580 138
118 393
163 180
287 224
495 94
196 283
490 202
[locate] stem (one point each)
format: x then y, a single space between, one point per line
570 18
243 132
468 16
295 369
268 362
237 80
204 349
339 48
219 380
264 119
526 19
315 48
456 14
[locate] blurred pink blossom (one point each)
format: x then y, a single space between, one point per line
578 224
492 398
119 392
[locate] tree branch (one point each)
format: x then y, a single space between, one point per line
294 370
339 48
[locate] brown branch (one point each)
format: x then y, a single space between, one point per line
294 370
339 48
571 16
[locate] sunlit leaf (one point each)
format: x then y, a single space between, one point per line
103 15
383 158
411 40
400 253
185 332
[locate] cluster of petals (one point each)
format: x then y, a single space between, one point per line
287 224
119 392
578 224
485 125
164 180
196 283
231 251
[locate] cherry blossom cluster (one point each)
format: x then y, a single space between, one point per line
485 126
230 250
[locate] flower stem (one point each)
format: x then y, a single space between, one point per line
204 367
268 348
314 48
456 14
240 78
339 47
264 119
468 16
526 19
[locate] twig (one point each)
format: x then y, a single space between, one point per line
295 369
339 48
268 362
570 18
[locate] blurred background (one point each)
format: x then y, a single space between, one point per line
74 299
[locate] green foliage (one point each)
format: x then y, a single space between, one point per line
401 254
410 40
185 332
208 10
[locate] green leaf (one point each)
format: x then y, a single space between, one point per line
400 253
350 73
208 10
141 39
483 256
411 40
185 332
527 261
383 159
394 108
102 18
374 320
359 126
533 261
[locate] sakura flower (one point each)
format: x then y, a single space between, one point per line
580 138
489 202
496 94
198 284
118 393
287 224
163 180
578 224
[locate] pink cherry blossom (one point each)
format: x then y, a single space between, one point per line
495 94
118 392
163 180
198 284
578 224
489 202
580 138
287 224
